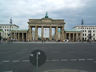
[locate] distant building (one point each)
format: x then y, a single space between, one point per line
7 29
1 34
88 32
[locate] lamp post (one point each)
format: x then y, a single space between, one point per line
10 28
82 23
10 32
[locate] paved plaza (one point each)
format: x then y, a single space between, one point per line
14 57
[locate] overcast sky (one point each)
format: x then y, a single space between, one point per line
72 11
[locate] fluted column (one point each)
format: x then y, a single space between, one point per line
22 36
62 31
42 32
69 37
36 33
18 36
56 33
50 33
30 33
61 34
26 36
14 36
76 36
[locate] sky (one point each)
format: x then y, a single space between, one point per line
72 11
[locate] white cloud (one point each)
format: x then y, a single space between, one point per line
23 9
19 7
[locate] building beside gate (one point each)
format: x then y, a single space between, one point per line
7 28
88 32
1 34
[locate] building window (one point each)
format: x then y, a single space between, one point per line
89 31
93 30
93 38
85 34
93 34
85 38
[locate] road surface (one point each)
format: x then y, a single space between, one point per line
14 57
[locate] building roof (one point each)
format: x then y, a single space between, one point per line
20 30
85 26
9 25
72 30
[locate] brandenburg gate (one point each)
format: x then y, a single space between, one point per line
46 22
59 34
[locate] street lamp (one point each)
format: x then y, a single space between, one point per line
10 28
82 23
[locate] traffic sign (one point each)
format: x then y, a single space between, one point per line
37 58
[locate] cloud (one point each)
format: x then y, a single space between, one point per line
70 10
33 7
